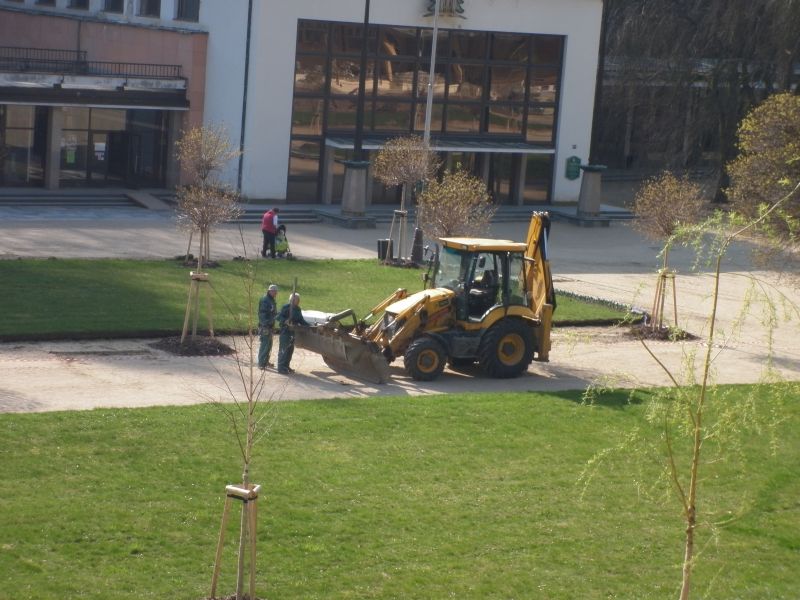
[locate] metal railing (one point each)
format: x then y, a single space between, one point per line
70 62
43 54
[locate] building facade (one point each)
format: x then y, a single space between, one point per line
513 90
95 92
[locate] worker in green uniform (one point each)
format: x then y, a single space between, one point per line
267 311
290 315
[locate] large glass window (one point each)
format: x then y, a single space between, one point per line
23 140
486 86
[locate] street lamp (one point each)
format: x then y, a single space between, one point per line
431 74
354 196
416 248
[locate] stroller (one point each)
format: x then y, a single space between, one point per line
282 243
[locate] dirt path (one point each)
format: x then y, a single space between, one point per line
48 376
612 263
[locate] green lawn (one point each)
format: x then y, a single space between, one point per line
57 298
428 497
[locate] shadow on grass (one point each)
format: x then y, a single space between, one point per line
616 399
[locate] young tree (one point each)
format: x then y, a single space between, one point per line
663 205
768 166
248 406
698 427
458 205
405 161
203 203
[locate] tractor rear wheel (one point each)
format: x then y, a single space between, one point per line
424 359
506 349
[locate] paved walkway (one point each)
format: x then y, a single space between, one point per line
614 263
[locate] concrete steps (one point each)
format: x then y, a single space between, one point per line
59 199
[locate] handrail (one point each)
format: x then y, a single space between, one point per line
91 67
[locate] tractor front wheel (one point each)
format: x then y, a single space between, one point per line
424 359
506 349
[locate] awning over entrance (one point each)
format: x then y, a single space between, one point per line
449 145
113 92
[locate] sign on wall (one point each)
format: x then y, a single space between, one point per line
447 8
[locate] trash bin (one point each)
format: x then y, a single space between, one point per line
385 250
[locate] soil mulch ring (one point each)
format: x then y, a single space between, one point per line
663 334
199 346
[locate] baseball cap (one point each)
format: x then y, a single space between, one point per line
272 288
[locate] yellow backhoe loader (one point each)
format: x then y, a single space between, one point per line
486 301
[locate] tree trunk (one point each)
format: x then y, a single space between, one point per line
688 556
243 537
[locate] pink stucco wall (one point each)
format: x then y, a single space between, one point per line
116 43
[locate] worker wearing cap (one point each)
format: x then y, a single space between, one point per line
267 311
289 316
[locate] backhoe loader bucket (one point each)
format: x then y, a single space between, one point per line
344 352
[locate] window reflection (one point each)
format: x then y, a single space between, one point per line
398 41
395 78
547 49
348 39
437 110
304 159
312 37
467 82
424 75
463 118
538 171
18 116
309 74
76 118
345 75
108 119
469 45
426 42
510 47
543 84
342 113
392 116
506 120
485 84
507 84
307 116
540 124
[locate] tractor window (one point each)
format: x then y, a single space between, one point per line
516 281
452 268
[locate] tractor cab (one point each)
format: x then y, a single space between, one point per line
482 274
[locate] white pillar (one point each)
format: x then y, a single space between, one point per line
55 121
